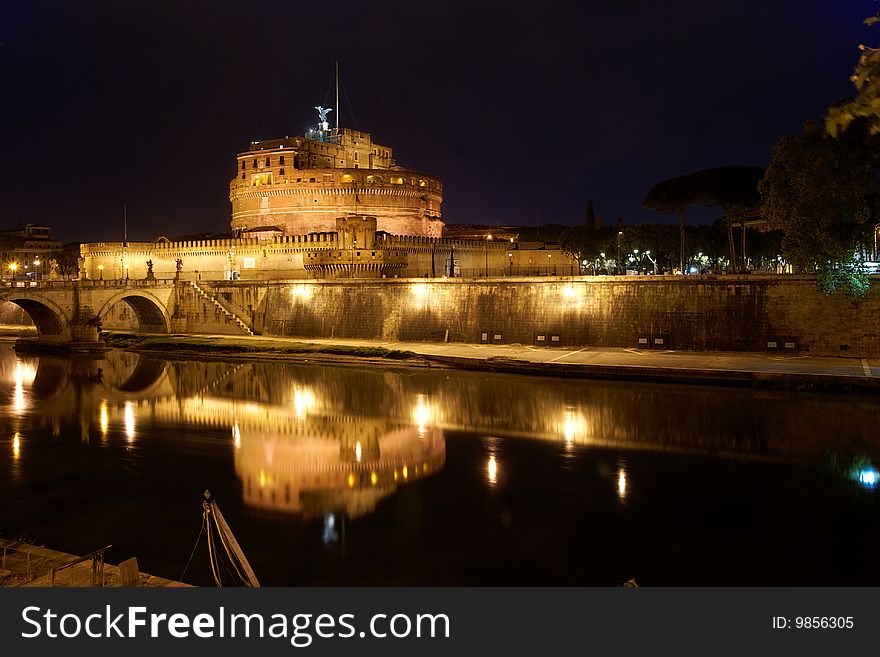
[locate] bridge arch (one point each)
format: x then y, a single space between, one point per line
50 319
151 313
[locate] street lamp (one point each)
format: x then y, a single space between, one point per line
488 239
619 260
549 255
510 261
12 267
653 262
101 271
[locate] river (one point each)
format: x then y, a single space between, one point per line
332 475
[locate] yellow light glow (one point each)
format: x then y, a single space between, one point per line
573 426
621 483
405 472
303 401
373 478
492 470
395 475
16 444
129 420
422 414
302 292
357 451
351 480
236 435
569 292
419 290
262 479
104 417
13 266
23 374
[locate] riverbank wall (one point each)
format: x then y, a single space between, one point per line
697 313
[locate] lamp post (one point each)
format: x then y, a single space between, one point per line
653 262
549 255
12 267
510 264
101 272
619 260
38 273
488 239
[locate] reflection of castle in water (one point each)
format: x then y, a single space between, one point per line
313 473
312 439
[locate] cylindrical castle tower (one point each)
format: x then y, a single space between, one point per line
301 185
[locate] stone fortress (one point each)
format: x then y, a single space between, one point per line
330 204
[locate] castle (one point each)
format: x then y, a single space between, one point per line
330 204
301 185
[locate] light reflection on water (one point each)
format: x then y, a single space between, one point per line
330 445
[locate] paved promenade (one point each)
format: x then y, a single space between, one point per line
682 366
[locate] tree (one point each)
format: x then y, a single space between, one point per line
673 195
732 188
819 191
586 243
866 104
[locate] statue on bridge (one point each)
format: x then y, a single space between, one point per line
150 275
179 265
81 273
53 270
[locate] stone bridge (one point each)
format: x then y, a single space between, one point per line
71 312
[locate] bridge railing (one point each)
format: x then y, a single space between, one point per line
90 283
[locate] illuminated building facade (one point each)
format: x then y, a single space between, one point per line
301 185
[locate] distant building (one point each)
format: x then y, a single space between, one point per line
26 250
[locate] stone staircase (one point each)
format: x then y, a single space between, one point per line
232 317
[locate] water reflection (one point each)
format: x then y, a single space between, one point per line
316 440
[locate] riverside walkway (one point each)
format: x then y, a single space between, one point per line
718 368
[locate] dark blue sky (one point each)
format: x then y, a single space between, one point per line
523 110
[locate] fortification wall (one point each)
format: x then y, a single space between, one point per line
285 257
309 200
739 313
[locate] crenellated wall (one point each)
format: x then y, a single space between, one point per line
317 255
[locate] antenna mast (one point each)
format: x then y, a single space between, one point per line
337 94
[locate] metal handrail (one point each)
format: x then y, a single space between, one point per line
97 557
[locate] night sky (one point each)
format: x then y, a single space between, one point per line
524 110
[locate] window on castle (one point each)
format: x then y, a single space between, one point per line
267 161
243 165
255 163
355 157
281 172
281 161
264 178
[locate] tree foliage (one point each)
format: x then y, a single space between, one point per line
586 243
673 195
817 190
865 105
730 187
